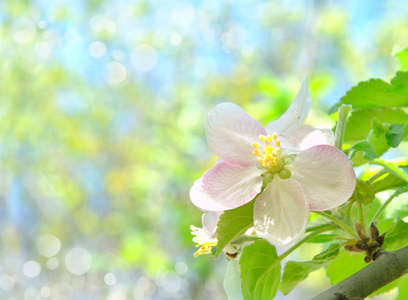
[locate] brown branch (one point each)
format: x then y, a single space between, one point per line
387 268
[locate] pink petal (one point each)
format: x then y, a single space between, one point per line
295 115
281 212
326 176
230 133
226 187
305 137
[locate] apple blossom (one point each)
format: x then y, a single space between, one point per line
292 168
206 237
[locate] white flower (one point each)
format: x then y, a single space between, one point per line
295 167
206 237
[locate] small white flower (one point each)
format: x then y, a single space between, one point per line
206 237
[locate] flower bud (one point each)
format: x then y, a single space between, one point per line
287 160
284 174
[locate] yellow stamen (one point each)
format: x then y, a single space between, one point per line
202 240
205 249
268 156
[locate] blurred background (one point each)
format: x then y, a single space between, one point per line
103 105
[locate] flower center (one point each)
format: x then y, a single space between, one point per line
270 155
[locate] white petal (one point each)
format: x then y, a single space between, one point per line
305 137
232 280
209 221
326 176
281 212
226 187
295 115
230 132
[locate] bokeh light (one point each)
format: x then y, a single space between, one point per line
103 108
144 57
78 261
48 245
114 73
31 269
109 278
97 49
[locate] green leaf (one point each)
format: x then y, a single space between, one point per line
401 190
392 168
390 181
377 126
403 289
294 272
359 122
328 254
384 135
323 238
374 207
385 225
396 237
396 133
381 137
376 93
233 223
377 99
345 265
402 58
399 208
376 137
364 193
260 271
367 150
401 80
